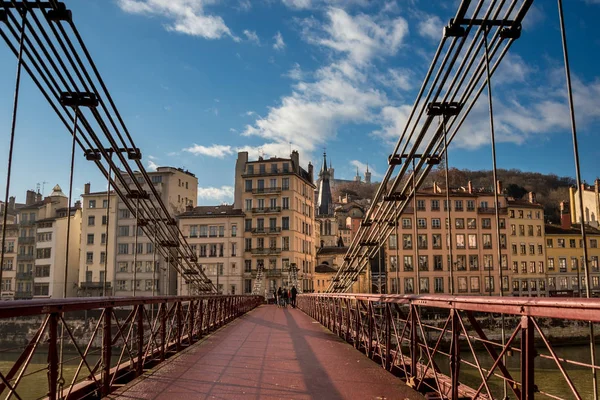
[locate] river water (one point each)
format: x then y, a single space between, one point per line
547 376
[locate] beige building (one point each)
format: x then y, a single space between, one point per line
177 188
277 196
329 260
591 204
97 256
215 235
526 241
420 245
10 262
564 252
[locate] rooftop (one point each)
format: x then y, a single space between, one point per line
332 250
575 229
324 269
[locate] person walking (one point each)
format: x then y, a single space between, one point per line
279 299
285 298
293 292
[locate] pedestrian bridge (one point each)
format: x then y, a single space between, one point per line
334 346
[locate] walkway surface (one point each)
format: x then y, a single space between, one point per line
269 353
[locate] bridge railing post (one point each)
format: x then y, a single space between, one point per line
388 336
527 358
455 353
106 350
140 339
414 342
53 359
163 330
369 348
191 322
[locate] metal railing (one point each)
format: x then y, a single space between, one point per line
450 346
93 345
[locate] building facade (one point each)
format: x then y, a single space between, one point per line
591 204
564 251
139 269
215 235
277 196
97 258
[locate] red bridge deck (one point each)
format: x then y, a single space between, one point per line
269 353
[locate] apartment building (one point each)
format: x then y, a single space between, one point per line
564 252
139 271
9 263
97 257
215 235
591 204
527 240
277 196
419 244
41 257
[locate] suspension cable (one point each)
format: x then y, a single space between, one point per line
579 191
13 126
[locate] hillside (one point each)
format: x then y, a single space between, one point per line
550 189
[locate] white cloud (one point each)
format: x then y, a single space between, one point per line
362 168
512 69
295 73
279 43
252 36
216 150
151 157
394 121
152 166
186 16
398 78
249 113
431 27
222 194
361 37
308 4
244 5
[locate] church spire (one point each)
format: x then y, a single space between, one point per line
324 200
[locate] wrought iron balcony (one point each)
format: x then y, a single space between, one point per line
274 273
23 295
26 239
266 251
25 276
270 190
94 285
266 210
25 257
266 231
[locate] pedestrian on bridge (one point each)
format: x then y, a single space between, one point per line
285 297
293 292
279 299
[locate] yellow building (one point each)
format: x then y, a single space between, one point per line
526 241
591 204
277 196
329 260
564 250
97 248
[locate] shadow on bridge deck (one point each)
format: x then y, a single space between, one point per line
270 353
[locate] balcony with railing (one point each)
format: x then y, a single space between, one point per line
28 222
266 210
266 231
491 210
23 295
24 276
94 285
274 273
25 257
270 190
266 251
26 239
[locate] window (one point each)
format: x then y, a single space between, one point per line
102 257
422 241
222 231
123 230
212 231
41 289
90 238
462 284
436 241
532 249
489 283
123 248
562 264
435 205
529 230
540 267
407 241
408 263
549 243
420 205
513 230
473 262
92 204
43 253
406 223
91 220
471 223
487 241
409 286
285 223
521 214
458 205
470 205
285 203
248 204
502 223
572 243
437 263
460 241
393 263
532 267
248 185
233 230
42 271
540 249
574 263
248 244
538 230
285 243
550 264
472 241
460 223
475 284
285 184
421 223
436 223
392 242
488 262
521 230
594 243
273 203
523 249
461 263
424 285
594 260
561 243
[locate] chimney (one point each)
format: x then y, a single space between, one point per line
310 171
11 203
565 215
499 187
470 187
38 197
531 196
189 207
78 205
30 197
295 156
86 188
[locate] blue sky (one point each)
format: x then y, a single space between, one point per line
198 80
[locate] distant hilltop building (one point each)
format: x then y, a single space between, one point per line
334 182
